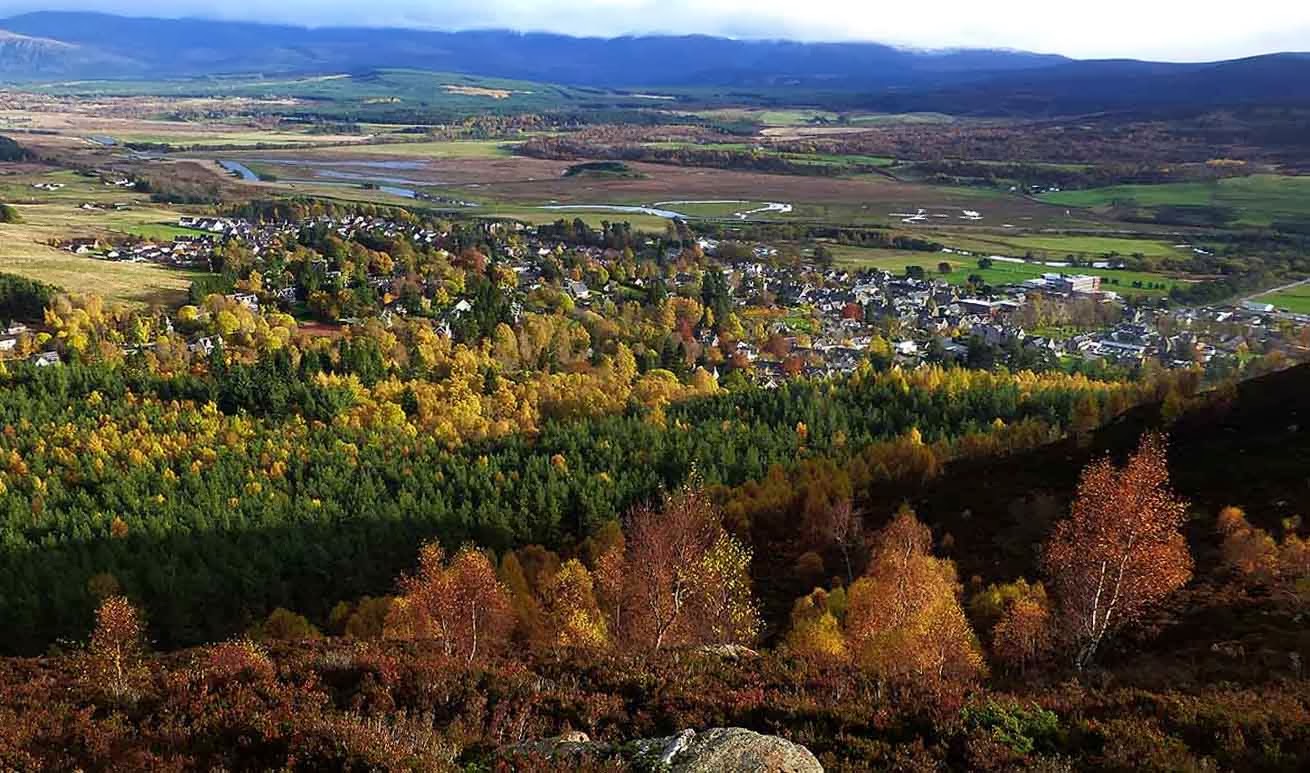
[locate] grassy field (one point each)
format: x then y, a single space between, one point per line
162 232
1000 273
1058 246
48 217
1295 300
1258 199
134 283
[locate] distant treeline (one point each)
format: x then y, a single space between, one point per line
572 149
12 152
1071 176
799 232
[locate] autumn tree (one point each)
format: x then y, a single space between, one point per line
815 632
682 570
574 617
724 610
1018 616
840 526
284 625
459 603
607 556
1250 552
364 620
904 621
115 660
1256 557
1121 551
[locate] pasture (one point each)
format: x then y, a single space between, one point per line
1055 247
1294 299
49 217
1258 199
1000 272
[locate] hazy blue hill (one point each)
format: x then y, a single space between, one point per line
28 56
1093 86
201 47
89 45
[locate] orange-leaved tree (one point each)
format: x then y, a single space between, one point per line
686 579
1121 551
1256 557
458 603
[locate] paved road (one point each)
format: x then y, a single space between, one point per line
1274 290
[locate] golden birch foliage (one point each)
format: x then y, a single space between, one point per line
574 615
115 662
725 604
1023 635
903 618
815 632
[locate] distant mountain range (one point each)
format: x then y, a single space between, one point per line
61 45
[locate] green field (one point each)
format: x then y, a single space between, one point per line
1000 273
593 218
161 232
1057 246
1258 199
1295 299
372 94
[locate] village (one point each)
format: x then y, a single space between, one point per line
799 316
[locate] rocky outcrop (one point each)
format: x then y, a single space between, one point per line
717 750
720 749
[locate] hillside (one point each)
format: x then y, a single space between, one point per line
23 56
854 75
184 47
1211 682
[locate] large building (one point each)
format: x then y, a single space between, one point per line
1067 284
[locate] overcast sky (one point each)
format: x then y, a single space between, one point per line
1182 30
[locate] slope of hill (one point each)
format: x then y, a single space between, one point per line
47 44
170 48
1090 86
24 56
1214 682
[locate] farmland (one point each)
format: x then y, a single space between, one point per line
1000 272
1059 246
26 248
1294 299
1258 200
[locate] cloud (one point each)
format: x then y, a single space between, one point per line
1152 29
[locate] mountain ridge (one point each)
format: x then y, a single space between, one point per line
881 77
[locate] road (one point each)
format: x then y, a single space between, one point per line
1273 290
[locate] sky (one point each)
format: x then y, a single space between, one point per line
1169 30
